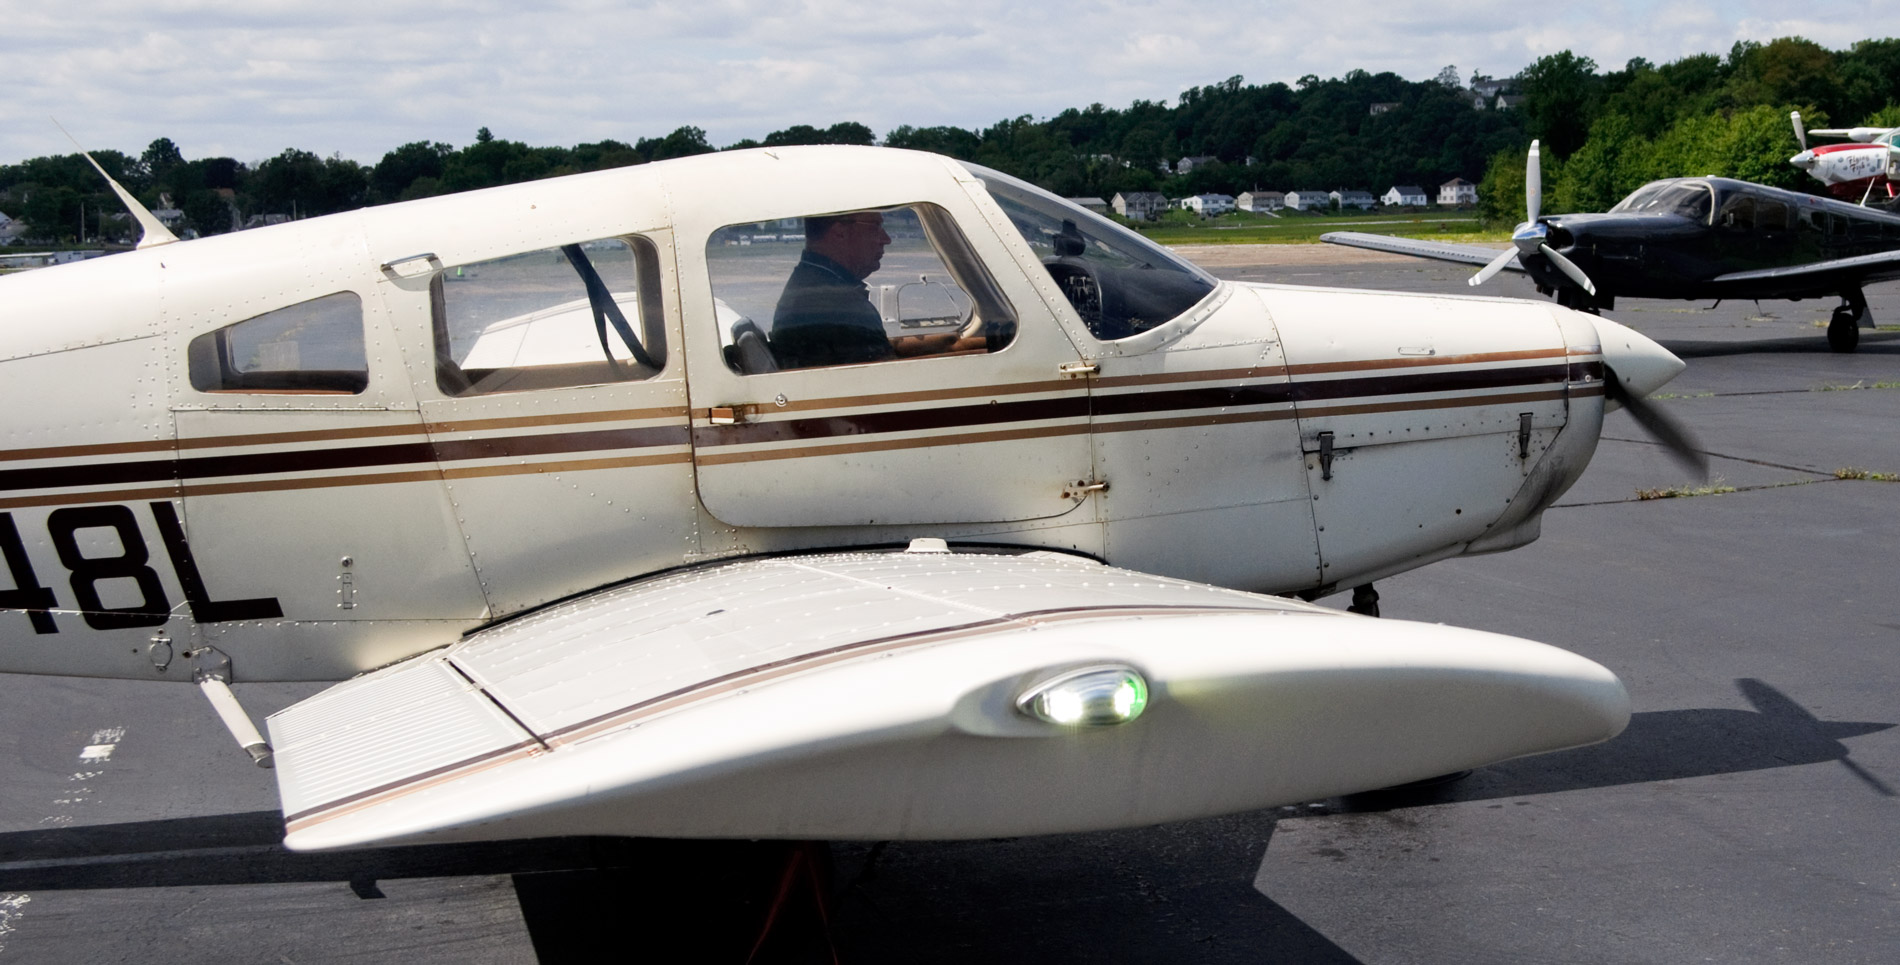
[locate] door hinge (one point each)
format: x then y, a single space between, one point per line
1079 368
1082 487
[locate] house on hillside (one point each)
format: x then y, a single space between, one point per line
1139 205
1457 193
1405 195
9 229
1363 200
1309 200
1507 102
1208 205
1187 164
1260 202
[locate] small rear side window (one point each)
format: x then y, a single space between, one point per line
313 347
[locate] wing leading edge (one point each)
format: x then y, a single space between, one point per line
1442 251
875 696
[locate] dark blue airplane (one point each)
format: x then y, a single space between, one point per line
1690 238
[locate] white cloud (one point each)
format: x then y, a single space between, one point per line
362 77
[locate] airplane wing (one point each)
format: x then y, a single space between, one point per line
1883 264
1468 254
913 694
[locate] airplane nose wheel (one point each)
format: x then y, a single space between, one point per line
1843 332
1365 600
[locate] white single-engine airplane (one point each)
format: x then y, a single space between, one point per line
814 493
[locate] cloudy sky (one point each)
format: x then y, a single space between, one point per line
359 77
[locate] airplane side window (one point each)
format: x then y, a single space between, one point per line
852 287
1771 217
578 314
1739 213
312 347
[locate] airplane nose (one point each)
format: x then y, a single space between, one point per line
1804 160
1636 360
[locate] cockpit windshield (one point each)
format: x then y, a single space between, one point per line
1689 198
1119 282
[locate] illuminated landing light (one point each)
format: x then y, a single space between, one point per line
1090 697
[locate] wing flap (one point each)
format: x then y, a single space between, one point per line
873 695
1439 250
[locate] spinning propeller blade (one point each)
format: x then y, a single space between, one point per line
1664 428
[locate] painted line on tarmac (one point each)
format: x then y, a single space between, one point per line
79 791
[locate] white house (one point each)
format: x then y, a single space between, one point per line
1405 195
1309 200
1208 205
1457 192
1363 200
1187 164
1261 201
1139 205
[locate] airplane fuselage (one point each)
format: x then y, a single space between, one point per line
1742 227
170 481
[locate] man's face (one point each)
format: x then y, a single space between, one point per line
858 243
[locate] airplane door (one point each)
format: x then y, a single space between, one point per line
552 391
935 393
1419 422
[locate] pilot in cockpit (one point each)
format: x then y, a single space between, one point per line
825 315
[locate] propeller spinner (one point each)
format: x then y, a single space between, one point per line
1532 236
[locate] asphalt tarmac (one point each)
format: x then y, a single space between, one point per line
1751 813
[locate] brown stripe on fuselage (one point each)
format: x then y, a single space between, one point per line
329 482
1453 403
337 434
726 683
1075 411
1414 361
705 458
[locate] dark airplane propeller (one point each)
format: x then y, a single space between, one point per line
1664 428
1532 236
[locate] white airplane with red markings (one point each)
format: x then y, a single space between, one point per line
1861 170
812 493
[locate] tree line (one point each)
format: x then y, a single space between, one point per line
1603 134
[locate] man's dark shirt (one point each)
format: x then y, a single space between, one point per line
825 317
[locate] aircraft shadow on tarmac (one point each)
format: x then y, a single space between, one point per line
1661 745
1002 896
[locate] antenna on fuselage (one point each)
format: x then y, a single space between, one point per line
155 232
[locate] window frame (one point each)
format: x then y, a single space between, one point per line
454 381
212 350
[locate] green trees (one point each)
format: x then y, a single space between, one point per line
1603 133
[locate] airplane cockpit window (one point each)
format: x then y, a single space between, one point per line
852 287
576 314
1689 199
1119 282
312 347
